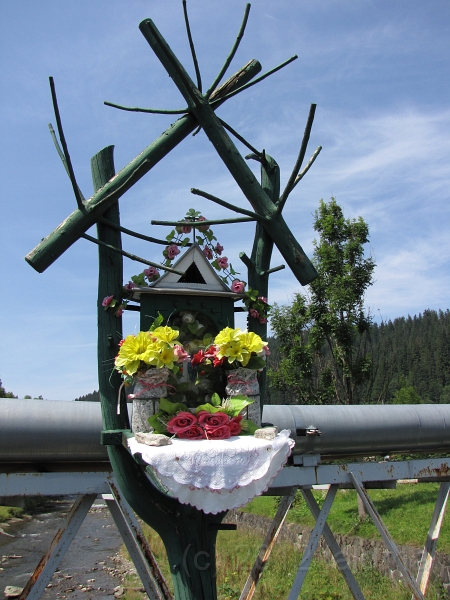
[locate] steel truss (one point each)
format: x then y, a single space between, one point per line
89 485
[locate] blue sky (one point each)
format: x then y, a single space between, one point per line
377 70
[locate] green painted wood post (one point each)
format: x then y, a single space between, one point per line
189 535
259 264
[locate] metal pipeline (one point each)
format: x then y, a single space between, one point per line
42 430
46 431
364 430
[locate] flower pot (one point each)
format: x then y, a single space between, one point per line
245 381
148 389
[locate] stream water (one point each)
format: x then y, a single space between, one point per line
90 567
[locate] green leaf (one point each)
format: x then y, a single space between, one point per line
215 399
256 362
199 239
157 322
171 408
185 242
248 427
209 408
171 235
157 422
233 406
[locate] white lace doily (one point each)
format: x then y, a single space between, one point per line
217 475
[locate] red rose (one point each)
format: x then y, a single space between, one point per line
235 425
218 433
192 433
181 422
206 419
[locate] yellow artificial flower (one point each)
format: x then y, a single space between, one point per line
165 334
227 335
133 350
252 341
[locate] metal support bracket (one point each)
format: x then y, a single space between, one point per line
426 563
267 546
370 507
312 543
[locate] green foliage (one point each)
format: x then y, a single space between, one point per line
92 397
4 393
406 395
324 338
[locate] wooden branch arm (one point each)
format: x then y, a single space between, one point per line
230 57
135 234
66 234
301 155
128 255
68 162
247 262
232 207
198 224
308 166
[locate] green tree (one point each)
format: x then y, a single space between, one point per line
4 393
406 395
324 337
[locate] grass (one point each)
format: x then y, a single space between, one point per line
7 512
406 512
236 552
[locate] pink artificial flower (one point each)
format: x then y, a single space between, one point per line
184 228
263 320
238 286
266 350
235 425
263 299
151 272
129 286
119 311
180 422
172 251
207 420
254 313
223 262
219 433
107 301
192 433
218 249
180 353
203 227
207 252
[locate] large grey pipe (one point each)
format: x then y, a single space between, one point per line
33 431
364 430
39 430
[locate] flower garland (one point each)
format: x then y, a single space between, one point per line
257 306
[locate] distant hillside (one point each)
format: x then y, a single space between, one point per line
413 353
92 397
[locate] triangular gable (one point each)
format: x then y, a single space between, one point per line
198 274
